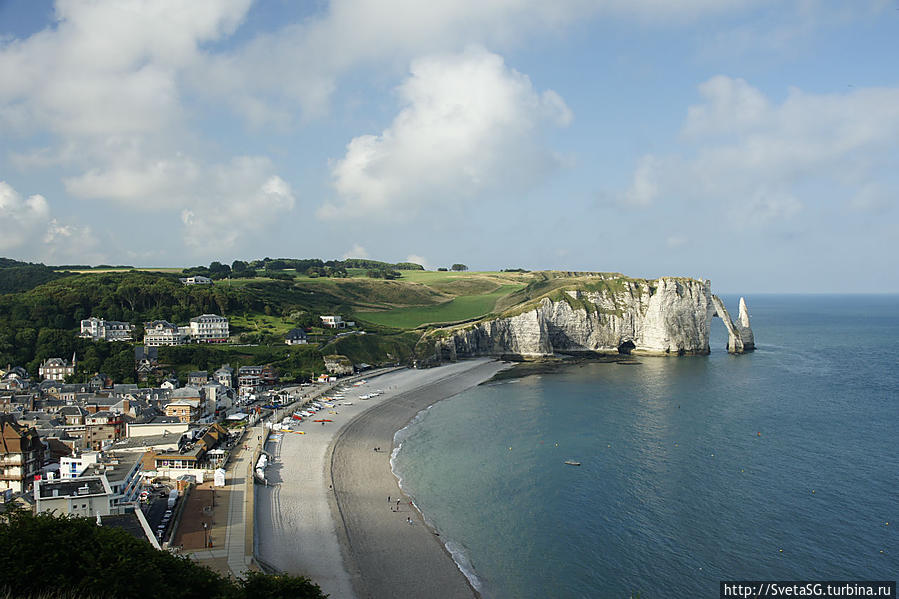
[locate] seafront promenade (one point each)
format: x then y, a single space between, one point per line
228 518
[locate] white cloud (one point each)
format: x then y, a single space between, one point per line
645 188
108 67
21 217
468 124
357 251
236 202
762 159
301 64
139 183
416 259
29 230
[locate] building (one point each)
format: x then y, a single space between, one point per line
146 360
185 410
209 328
224 375
102 429
162 332
249 379
122 471
87 496
296 337
56 369
198 378
196 280
74 465
333 322
21 455
15 379
99 329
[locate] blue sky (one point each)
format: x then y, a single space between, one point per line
752 142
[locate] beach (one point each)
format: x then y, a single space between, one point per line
325 512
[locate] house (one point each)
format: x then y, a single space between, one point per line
224 375
296 337
162 332
73 415
102 429
99 381
218 397
209 328
269 375
333 322
56 369
146 360
15 379
21 455
196 280
171 382
249 379
198 378
99 329
185 410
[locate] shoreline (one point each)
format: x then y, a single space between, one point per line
323 513
388 557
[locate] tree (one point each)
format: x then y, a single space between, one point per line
86 560
459 267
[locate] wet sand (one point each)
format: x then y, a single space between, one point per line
325 514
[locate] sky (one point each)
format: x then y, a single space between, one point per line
751 142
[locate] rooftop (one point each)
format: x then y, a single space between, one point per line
81 486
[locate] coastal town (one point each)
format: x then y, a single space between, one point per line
173 465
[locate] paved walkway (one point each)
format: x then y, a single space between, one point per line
236 555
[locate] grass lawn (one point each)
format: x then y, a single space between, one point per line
463 307
260 323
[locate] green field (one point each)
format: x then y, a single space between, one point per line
463 307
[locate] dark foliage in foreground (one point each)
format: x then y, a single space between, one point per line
58 556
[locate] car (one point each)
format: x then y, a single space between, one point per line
168 513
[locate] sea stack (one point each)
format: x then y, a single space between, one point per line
744 328
739 335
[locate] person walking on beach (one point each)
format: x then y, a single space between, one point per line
397 505
388 499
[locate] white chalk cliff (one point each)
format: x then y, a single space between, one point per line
666 316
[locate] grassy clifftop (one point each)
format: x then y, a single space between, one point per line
394 313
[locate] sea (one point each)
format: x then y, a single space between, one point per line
780 464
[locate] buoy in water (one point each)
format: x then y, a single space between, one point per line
510 449
781 550
759 434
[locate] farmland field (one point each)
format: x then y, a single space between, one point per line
463 307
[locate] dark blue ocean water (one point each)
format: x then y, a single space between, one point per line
779 464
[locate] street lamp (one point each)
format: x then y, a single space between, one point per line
205 536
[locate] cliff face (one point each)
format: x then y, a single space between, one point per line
668 316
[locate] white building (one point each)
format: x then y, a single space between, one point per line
56 369
108 330
87 496
196 280
209 328
333 322
73 466
162 332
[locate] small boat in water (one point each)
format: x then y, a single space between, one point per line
572 463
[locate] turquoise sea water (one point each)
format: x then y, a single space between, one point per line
781 464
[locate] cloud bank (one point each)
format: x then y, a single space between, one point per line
469 124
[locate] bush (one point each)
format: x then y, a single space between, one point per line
63 556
